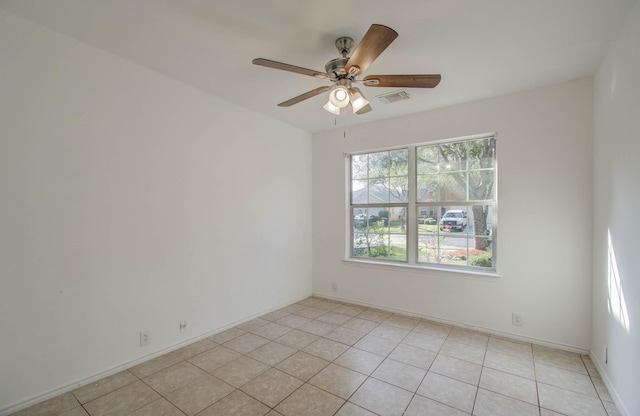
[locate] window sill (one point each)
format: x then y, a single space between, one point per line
412 267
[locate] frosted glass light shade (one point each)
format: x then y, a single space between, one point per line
331 108
339 96
358 102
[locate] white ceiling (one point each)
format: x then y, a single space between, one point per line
482 48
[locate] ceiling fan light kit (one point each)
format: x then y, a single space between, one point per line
339 96
331 108
344 71
358 102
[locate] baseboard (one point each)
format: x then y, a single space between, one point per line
612 390
106 373
515 337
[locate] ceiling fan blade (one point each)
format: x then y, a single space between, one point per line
374 42
291 68
397 81
302 97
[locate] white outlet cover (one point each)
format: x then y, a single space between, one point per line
145 338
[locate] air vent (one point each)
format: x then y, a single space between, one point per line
394 96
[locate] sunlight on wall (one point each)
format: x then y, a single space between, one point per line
617 304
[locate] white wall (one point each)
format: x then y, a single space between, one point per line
130 201
616 318
544 148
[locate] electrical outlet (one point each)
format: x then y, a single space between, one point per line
183 326
334 287
145 338
516 319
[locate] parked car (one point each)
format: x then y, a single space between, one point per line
361 220
454 219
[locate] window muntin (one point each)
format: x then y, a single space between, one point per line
450 190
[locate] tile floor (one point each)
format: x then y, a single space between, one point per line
322 358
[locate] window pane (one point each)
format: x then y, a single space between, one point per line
397 226
454 220
478 257
378 191
453 250
427 159
359 192
399 162
428 189
359 166
480 220
427 220
380 233
482 185
428 248
453 157
399 189
480 236
428 238
482 153
453 187
379 165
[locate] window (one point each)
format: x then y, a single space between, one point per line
429 205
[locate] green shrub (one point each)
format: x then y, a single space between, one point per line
481 260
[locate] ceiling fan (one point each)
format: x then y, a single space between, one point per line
343 72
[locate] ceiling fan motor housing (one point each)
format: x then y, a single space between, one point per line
335 67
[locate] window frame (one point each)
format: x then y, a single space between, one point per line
412 207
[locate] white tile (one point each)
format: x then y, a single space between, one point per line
448 391
602 390
310 401
568 402
509 385
509 364
350 409
338 380
561 359
382 398
458 369
463 351
421 406
426 341
504 346
399 374
359 360
376 345
565 379
428 327
390 332
494 404
413 356
474 338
